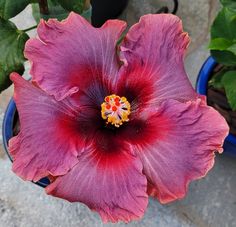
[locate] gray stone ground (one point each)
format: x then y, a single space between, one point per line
210 201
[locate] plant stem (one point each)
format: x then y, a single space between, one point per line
30 28
87 4
43 7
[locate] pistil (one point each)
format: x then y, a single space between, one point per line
115 110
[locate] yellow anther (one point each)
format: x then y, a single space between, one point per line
115 110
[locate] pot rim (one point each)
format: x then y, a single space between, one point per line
201 85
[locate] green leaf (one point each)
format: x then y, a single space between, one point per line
232 48
231 4
5 81
72 5
12 43
216 80
224 25
55 11
223 28
10 8
220 44
229 82
224 57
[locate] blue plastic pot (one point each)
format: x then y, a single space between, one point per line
7 133
201 87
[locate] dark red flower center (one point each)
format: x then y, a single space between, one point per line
115 110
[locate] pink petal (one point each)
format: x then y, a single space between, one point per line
153 69
72 55
190 134
110 183
49 139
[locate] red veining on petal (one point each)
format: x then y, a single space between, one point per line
109 183
63 63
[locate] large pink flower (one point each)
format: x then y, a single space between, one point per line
110 127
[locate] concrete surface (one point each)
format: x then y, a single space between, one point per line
210 201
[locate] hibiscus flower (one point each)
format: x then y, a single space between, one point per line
111 126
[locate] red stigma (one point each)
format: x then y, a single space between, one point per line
114 108
108 106
117 99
